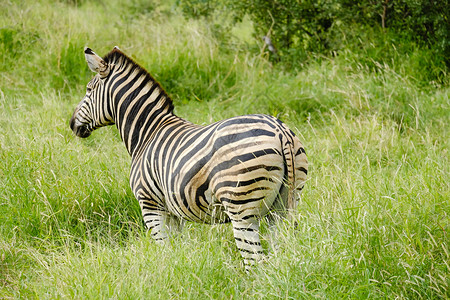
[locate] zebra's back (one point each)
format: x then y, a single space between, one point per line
233 168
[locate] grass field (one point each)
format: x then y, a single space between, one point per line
374 220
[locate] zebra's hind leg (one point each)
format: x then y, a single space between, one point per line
272 236
246 235
278 212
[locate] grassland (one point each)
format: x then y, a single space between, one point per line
374 221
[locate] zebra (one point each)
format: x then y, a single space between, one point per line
237 170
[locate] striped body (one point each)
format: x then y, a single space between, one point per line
237 170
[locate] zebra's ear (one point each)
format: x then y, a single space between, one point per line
96 63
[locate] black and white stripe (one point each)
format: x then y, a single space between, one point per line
236 170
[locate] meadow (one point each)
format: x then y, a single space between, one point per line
374 219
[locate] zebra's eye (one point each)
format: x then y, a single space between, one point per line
88 90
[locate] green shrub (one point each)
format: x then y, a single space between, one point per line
298 28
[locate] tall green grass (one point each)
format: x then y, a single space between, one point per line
374 218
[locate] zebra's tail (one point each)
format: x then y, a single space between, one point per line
297 169
288 153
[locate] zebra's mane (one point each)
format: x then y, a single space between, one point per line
119 58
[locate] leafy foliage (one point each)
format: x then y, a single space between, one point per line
424 21
301 27
291 24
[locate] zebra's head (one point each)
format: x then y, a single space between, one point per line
91 112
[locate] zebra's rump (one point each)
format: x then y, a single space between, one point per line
237 164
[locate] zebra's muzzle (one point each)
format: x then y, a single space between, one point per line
81 130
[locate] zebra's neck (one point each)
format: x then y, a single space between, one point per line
141 107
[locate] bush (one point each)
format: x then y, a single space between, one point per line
298 28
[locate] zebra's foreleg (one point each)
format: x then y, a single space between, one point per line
174 224
163 226
156 220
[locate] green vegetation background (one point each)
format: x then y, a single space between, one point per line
373 113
